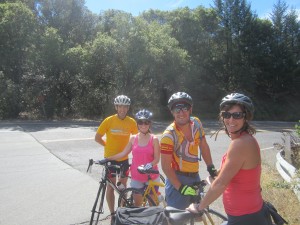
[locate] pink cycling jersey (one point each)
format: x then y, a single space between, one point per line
141 155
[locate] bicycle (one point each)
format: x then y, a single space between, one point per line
207 217
104 181
150 197
173 216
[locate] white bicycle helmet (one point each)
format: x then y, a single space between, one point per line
239 99
179 97
122 100
143 114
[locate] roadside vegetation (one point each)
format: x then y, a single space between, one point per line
280 194
59 60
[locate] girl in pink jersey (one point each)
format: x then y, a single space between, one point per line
145 151
239 176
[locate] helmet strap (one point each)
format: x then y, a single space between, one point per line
145 132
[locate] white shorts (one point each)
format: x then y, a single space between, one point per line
141 185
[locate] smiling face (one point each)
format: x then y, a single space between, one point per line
144 126
182 115
234 125
122 111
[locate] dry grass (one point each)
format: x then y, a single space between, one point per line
278 192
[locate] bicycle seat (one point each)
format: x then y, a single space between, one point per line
179 216
149 171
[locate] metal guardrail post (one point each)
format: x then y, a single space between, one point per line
287 147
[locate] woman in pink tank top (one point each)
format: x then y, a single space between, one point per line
239 176
145 151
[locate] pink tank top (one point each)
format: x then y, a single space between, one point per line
141 155
243 194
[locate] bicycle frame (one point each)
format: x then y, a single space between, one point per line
150 190
104 182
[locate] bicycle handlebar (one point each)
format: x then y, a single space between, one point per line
106 164
142 170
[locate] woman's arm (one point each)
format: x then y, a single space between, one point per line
156 151
234 162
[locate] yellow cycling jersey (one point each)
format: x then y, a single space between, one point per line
185 154
117 133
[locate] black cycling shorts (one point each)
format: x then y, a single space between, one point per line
123 171
261 217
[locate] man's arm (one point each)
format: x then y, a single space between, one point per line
166 160
205 150
207 158
99 139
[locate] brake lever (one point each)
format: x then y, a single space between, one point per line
91 162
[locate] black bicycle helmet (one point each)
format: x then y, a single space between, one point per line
122 100
239 99
143 114
179 97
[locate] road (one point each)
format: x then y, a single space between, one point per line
73 143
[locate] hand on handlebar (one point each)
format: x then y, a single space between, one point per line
187 190
148 166
194 208
212 170
102 161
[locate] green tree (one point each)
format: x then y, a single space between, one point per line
236 21
98 82
17 34
75 24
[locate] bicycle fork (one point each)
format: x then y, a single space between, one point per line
102 188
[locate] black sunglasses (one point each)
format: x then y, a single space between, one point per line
235 115
183 109
142 122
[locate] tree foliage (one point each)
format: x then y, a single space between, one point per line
58 59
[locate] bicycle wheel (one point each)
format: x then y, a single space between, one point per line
126 198
98 205
210 217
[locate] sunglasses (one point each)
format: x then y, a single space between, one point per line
235 115
143 122
183 109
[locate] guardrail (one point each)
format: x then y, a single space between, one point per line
288 173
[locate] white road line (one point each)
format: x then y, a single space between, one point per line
263 149
62 140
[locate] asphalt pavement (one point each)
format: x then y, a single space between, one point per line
38 188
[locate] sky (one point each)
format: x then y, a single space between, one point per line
263 8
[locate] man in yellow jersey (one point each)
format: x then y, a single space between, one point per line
181 145
117 129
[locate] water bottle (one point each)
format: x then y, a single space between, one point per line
120 186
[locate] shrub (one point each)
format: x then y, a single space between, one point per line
297 126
